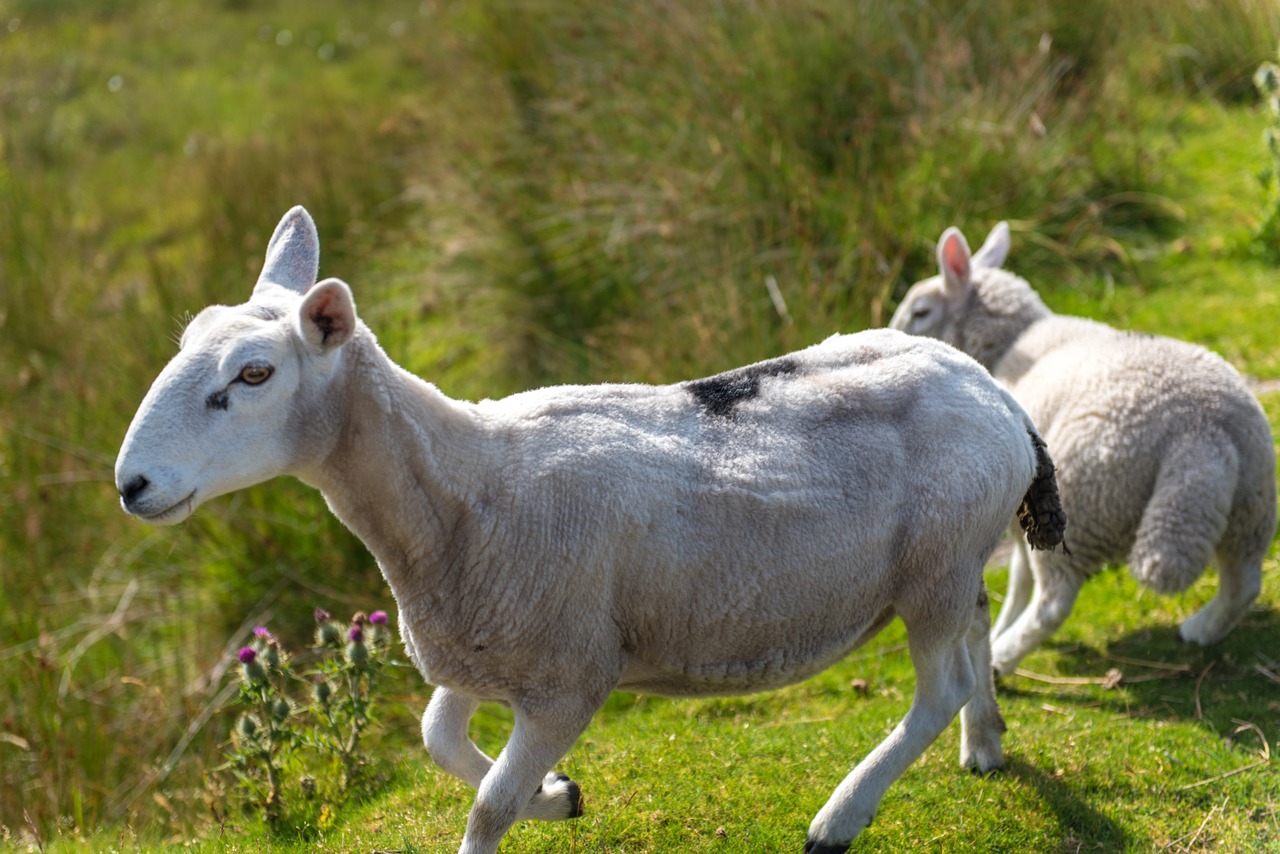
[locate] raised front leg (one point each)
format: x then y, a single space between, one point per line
944 683
444 731
519 784
1056 588
1018 594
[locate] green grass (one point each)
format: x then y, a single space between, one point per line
557 190
1161 761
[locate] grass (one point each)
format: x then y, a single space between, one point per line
555 190
1170 758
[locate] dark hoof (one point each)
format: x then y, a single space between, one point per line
574 794
812 847
986 772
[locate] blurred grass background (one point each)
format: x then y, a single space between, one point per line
521 193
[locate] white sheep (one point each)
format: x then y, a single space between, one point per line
731 534
1165 459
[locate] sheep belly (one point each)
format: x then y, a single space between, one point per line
777 667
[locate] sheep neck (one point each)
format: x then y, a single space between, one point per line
392 476
1001 309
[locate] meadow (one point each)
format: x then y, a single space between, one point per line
526 192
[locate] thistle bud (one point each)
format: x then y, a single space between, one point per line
322 692
280 709
247 727
328 634
250 669
1267 78
357 652
271 655
378 620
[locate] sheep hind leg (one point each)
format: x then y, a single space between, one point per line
444 731
981 725
1239 583
945 681
1185 522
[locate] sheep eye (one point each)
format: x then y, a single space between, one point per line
922 311
255 374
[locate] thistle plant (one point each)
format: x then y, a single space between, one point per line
343 691
1267 81
263 734
275 737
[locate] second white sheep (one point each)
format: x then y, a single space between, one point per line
1165 459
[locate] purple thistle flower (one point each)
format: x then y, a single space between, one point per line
356 635
247 655
262 632
322 616
378 618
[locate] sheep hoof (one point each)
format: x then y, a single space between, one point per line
557 799
984 769
813 847
1199 629
573 792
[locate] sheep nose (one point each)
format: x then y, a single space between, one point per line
135 487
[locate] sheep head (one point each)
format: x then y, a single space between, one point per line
972 304
240 402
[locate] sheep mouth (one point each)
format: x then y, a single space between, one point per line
173 513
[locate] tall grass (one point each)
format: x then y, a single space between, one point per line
662 160
520 192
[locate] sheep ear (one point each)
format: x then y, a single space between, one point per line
995 249
293 255
327 316
953 261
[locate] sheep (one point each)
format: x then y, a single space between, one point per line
1165 459
726 535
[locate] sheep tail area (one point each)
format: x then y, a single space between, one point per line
1040 513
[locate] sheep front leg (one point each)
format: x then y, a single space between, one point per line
1018 594
945 681
444 731
520 780
1057 584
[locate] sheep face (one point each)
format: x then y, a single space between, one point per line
934 307
239 402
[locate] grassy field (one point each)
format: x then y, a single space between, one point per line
543 191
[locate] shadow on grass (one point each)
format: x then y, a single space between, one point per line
1163 677
1087 828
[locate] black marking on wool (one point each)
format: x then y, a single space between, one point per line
721 393
1040 514
218 400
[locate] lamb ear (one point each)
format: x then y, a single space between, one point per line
327 316
293 255
953 261
995 249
